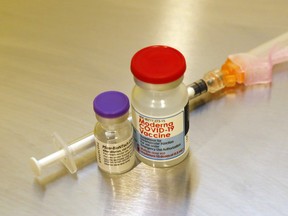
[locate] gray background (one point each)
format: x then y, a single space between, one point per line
56 56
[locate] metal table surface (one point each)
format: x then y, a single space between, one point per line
56 56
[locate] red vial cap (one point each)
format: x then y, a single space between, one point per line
158 64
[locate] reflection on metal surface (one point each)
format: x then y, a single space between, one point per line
175 19
160 188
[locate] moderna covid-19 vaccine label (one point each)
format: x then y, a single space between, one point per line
161 138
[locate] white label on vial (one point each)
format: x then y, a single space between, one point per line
162 138
115 158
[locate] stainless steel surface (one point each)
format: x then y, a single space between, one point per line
55 56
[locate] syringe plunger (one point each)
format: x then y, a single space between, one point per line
65 154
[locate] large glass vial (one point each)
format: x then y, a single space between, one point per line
160 106
113 133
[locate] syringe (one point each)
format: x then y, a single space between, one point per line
249 68
65 154
253 67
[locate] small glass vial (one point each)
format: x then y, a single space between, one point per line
113 133
160 110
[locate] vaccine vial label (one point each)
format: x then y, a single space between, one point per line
161 138
115 158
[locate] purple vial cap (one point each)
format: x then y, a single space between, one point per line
111 104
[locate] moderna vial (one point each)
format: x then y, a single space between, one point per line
160 110
113 133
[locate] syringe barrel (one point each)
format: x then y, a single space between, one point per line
196 88
52 158
85 142
214 81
